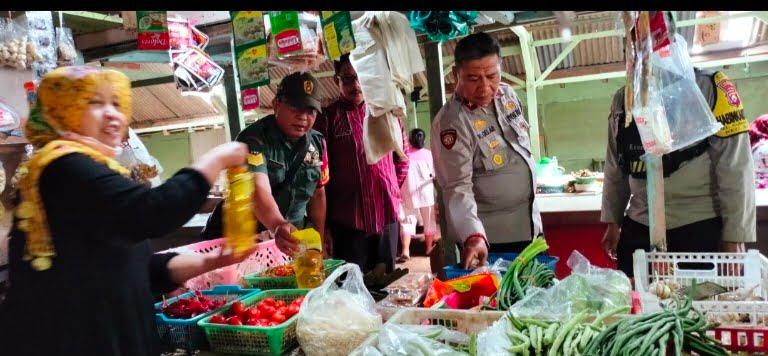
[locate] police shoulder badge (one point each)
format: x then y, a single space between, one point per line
728 110
448 138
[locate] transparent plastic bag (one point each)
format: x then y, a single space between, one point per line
676 115
587 288
14 46
65 47
9 118
335 320
408 340
494 340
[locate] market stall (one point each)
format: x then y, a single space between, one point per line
559 296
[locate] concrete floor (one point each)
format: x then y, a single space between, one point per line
419 261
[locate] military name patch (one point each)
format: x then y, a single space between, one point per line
448 138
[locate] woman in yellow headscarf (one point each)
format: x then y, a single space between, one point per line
82 271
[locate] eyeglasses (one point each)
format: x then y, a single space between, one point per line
348 79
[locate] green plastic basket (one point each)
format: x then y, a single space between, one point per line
255 340
266 283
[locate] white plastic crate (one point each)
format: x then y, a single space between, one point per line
733 271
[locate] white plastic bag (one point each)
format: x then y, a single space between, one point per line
676 114
335 321
414 340
9 118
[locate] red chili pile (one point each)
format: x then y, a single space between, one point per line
190 307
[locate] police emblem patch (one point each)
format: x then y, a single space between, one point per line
448 138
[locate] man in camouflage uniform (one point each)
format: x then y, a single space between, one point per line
290 163
709 190
482 156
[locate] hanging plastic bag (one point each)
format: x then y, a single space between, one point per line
9 118
587 288
335 321
675 115
65 47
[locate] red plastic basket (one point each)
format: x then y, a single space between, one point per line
267 255
744 339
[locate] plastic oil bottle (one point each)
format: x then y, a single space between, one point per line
239 223
308 262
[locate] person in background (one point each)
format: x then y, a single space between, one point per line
418 196
289 162
363 199
708 186
82 272
758 140
482 155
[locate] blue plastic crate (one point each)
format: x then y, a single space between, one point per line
185 333
452 272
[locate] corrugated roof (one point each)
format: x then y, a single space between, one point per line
164 102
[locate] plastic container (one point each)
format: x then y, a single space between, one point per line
185 333
733 271
253 280
452 272
239 224
267 255
255 340
308 262
465 321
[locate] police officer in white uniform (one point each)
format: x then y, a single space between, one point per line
708 186
482 157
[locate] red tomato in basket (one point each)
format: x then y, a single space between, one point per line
218 319
266 311
234 320
280 303
281 310
298 301
278 318
272 323
251 313
269 301
236 309
252 322
292 310
262 322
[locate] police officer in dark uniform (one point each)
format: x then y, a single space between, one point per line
289 162
709 191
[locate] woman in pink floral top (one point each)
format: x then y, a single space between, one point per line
758 138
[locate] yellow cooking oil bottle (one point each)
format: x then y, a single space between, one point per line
308 261
239 223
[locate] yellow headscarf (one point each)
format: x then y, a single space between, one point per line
62 98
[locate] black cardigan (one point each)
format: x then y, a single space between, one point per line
97 298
